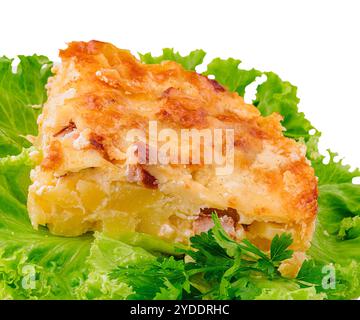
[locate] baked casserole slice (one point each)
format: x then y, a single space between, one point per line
84 182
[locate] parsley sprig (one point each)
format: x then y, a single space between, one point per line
215 266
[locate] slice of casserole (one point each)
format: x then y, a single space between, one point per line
86 182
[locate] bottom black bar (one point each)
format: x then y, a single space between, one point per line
174 309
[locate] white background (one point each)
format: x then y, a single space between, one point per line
313 44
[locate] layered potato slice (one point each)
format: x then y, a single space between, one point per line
84 181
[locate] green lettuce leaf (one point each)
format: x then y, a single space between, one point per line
334 172
228 73
284 294
347 281
150 243
336 240
337 203
189 62
107 254
275 95
33 264
349 228
21 94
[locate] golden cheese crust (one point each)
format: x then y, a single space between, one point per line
100 92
